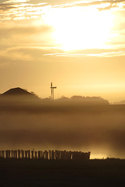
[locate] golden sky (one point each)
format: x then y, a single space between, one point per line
79 45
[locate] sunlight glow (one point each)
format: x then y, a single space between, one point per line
98 156
79 28
16 1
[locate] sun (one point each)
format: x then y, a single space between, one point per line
78 28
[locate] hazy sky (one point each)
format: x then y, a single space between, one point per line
79 45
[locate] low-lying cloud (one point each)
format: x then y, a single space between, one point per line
104 132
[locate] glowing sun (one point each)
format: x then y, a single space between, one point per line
79 28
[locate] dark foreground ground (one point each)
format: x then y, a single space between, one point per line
28 173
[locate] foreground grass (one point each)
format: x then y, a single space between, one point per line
62 173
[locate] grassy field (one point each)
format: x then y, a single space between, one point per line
28 173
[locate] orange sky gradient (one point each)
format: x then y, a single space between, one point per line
78 45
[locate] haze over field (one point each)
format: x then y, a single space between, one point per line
78 123
103 134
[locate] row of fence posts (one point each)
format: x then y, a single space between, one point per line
45 155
